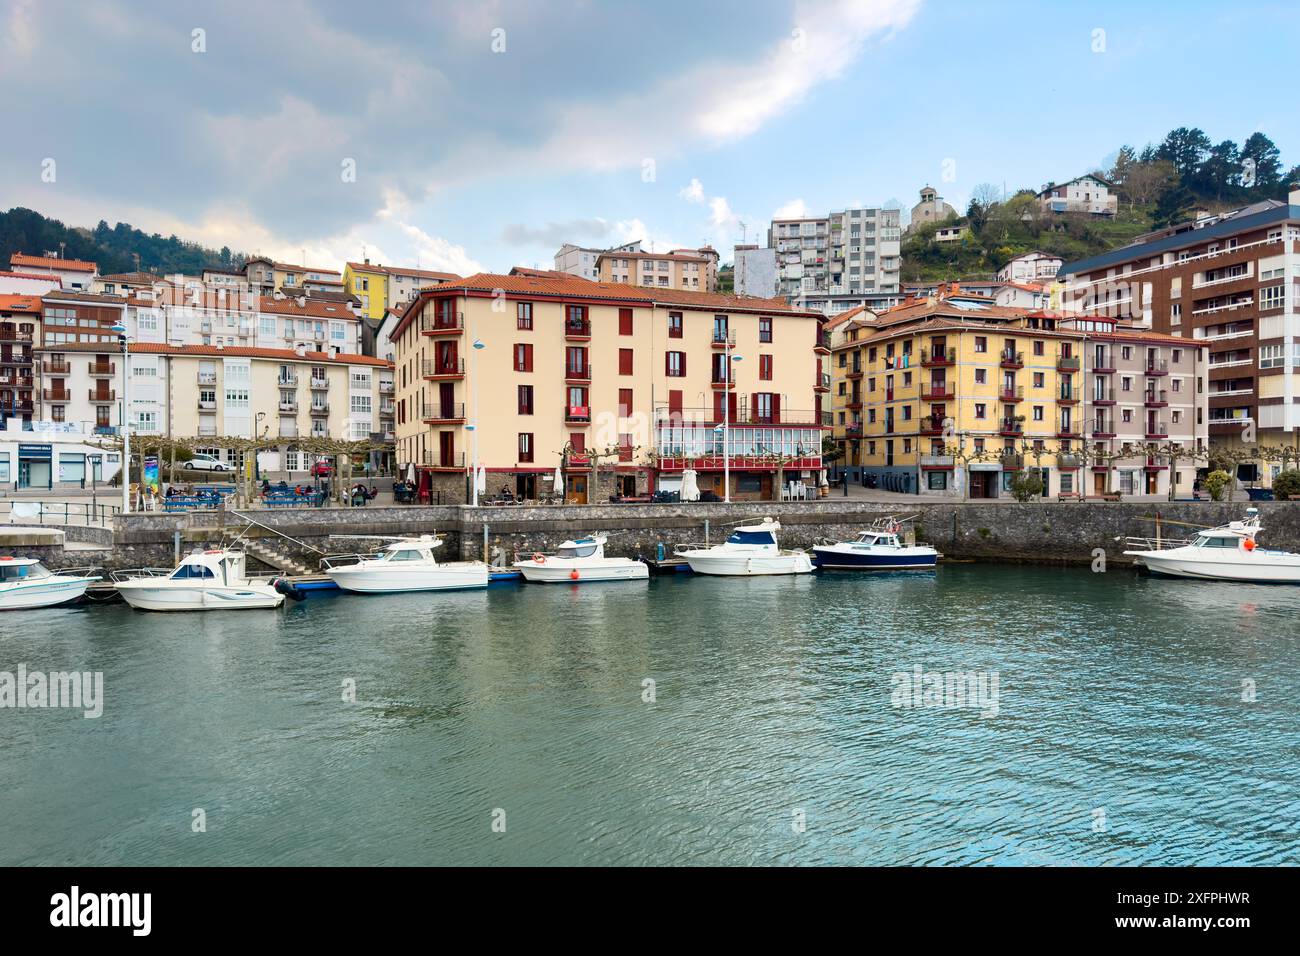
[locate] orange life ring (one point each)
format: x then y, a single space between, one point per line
539 557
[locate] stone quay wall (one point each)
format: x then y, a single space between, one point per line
1035 532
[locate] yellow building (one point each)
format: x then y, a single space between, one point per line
615 383
929 398
370 285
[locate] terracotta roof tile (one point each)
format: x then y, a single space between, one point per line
49 262
20 303
237 351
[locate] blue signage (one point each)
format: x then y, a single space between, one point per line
35 451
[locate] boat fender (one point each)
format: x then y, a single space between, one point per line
539 557
1248 544
574 574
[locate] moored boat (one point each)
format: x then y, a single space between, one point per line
26 583
405 565
203 581
879 548
581 561
750 550
1226 553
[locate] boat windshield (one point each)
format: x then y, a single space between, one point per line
1216 541
193 571
405 554
577 551
751 537
22 572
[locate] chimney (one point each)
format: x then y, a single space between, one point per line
220 346
300 349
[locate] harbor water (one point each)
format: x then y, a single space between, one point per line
1120 720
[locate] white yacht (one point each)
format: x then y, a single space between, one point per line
878 549
408 564
26 583
1227 553
751 549
582 561
204 581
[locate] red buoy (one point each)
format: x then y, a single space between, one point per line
574 574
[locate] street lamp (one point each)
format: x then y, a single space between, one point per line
726 420
120 329
473 426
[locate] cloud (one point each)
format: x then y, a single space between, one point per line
439 254
794 209
693 192
556 233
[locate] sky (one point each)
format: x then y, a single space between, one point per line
477 136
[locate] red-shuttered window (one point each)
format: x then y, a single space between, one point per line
525 446
624 321
675 364
624 402
525 399
765 368
523 357
624 361
674 325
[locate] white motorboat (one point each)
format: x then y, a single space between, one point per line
751 549
408 564
1226 553
877 549
204 581
26 583
581 561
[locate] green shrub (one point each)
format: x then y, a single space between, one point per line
1216 482
1026 485
1286 484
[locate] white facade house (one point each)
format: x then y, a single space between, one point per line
1031 267
73 274
53 455
584 262
1086 194
28 283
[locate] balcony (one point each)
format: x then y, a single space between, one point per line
1153 465
112 430
1105 396
577 414
723 339
207 378
101 369
931 358
56 367
1010 358
103 395
443 369
936 462
937 392
321 384
931 424
823 344
823 383
10 334
439 461
1156 431
577 330
853 430
1068 363
853 374
385 387
440 413
207 404
1070 462
1012 395
442 324
1011 427
1067 396
320 408
580 374
1103 429
1156 398
207 431
1230 424
287 380
1157 367
1011 461
288 406
56 395
854 404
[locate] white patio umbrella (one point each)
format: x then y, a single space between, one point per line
822 481
480 481
410 472
690 490
559 481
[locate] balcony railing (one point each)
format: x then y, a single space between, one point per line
207 404
56 367
385 388
1012 359
1011 426
1067 396
932 424
1101 428
101 369
937 391
1156 431
1157 367
443 411
577 413
207 431
936 461
938 356
1012 395
577 329
1105 396
1067 363
320 408
320 384
577 373
56 395
103 395
443 324
1156 398
287 380
437 459
724 338
447 368
207 378
288 405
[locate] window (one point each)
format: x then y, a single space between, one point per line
981 376
1272 297
1038 380
624 402
675 364
765 328
765 368
624 321
981 410
525 446
674 325
523 358
981 343
1038 347
523 315
525 399
625 361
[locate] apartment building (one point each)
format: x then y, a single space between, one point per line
620 387
28 283
1227 284
1031 267
950 398
693 270
1087 195
20 323
73 274
188 312
581 261
379 288
838 262
268 277
73 359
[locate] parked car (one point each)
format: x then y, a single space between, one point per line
200 462
322 469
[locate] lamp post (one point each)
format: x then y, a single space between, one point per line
726 420
473 427
120 329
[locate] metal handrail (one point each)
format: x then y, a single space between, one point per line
1155 544
126 574
92 512
287 537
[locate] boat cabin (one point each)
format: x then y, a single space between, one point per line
421 550
21 569
756 535
592 547
877 539
211 566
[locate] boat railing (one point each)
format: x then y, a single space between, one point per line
1155 544
126 574
330 561
86 572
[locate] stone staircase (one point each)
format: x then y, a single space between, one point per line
274 555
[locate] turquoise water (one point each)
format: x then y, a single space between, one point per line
1117 694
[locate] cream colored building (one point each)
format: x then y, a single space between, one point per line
694 270
639 377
